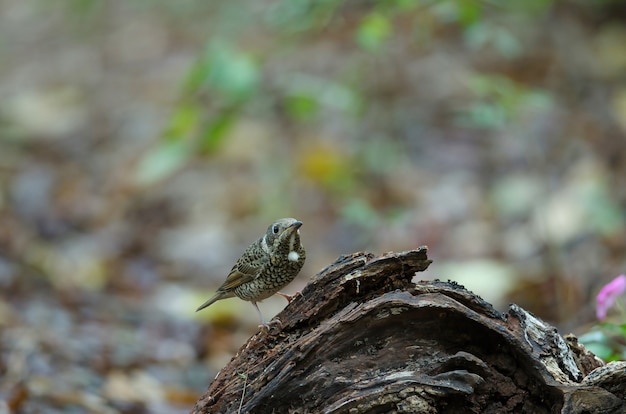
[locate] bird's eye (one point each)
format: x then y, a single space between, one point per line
275 229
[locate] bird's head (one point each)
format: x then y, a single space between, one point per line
281 230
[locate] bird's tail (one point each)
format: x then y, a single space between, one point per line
215 298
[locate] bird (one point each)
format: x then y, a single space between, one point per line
265 267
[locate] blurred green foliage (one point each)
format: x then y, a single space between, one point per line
372 32
484 34
606 341
297 16
498 100
225 71
227 79
307 98
161 161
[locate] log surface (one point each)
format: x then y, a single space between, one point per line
363 338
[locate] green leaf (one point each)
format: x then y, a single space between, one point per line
373 31
302 106
161 161
360 212
183 122
469 11
483 115
229 71
214 134
224 72
600 350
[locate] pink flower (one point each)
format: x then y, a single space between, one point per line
607 295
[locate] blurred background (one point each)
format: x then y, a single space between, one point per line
145 144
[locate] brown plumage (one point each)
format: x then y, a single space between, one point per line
266 266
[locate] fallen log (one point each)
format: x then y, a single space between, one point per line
363 338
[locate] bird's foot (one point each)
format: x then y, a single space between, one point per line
289 297
267 325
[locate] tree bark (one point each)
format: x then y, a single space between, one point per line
363 338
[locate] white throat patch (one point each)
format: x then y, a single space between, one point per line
293 256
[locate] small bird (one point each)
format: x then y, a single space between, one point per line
265 267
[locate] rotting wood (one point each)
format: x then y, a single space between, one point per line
363 338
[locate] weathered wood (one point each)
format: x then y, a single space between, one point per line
362 338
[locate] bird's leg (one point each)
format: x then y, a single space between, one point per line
263 321
265 324
289 297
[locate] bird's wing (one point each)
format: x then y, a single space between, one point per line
243 272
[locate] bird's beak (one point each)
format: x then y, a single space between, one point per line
295 225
